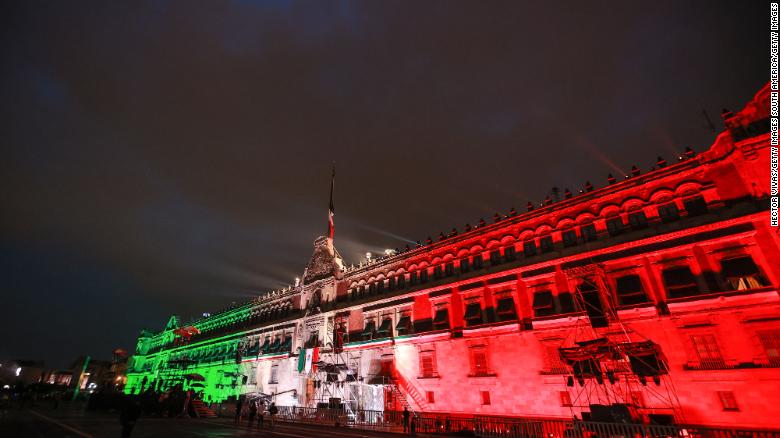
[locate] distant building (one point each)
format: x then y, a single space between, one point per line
657 292
14 372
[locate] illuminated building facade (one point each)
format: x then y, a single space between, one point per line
679 265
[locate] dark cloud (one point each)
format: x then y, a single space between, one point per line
173 156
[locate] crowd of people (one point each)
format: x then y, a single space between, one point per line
247 409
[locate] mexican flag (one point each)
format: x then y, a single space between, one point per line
301 360
309 357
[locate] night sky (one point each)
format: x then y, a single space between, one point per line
172 157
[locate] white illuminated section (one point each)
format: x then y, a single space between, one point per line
18 371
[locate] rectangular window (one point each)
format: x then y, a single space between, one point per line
477 263
404 325
437 273
274 374
637 220
543 303
449 269
741 273
680 282
413 277
495 257
473 314
615 226
588 232
429 397
546 244
565 398
464 265
728 401
424 275
441 320
485 395
479 362
506 309
428 364
509 253
529 248
391 283
770 340
569 238
401 281
668 212
695 206
707 351
630 291
566 303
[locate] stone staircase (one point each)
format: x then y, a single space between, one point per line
201 410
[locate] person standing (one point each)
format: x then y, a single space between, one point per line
131 410
272 410
406 418
260 413
252 412
239 406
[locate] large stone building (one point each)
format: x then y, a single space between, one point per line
657 292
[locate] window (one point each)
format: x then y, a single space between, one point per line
707 351
428 364
546 244
637 220
441 320
668 212
449 269
509 253
253 376
429 397
404 326
495 257
566 303
401 281
413 277
615 226
464 265
437 272
529 248
565 398
384 330
680 282
543 303
424 275
368 331
770 340
569 237
477 263
741 273
695 206
728 401
479 362
391 283
473 314
506 309
630 291
588 232
274 374
485 395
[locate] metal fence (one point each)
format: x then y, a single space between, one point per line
507 427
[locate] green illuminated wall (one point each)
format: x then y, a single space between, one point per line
157 362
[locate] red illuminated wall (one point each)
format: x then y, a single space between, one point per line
720 336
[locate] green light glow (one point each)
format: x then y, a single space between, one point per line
160 365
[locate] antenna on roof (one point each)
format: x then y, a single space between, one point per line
709 121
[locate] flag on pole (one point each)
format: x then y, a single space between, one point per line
309 357
315 357
301 360
330 206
